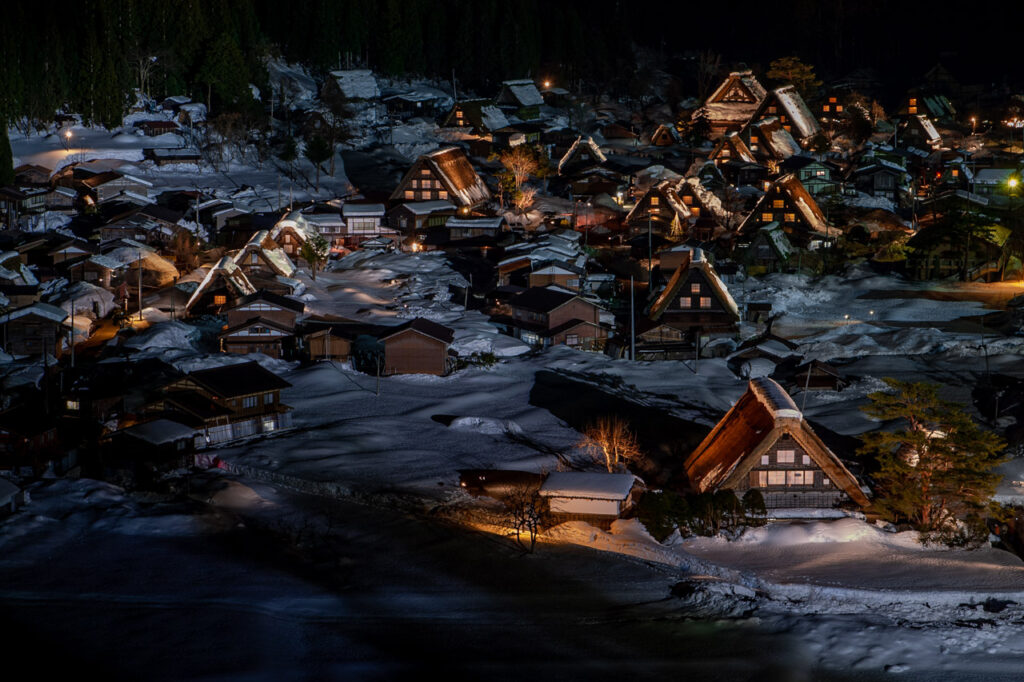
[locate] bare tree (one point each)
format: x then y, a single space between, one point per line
610 442
524 198
708 64
520 162
524 513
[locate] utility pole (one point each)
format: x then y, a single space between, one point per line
650 258
140 285
632 323
72 332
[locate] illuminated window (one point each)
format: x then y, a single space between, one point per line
764 459
687 200
799 478
753 139
778 203
912 110
807 459
684 301
771 110
654 201
72 405
695 211
767 217
956 172
913 101
705 301
776 478
695 288
409 194
220 299
790 217
458 114
819 173
785 456
826 108
762 478
825 482
839 108
443 194
833 100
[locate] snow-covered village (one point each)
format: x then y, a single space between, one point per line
335 345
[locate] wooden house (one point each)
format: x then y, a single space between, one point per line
597 498
545 317
821 178
32 175
731 147
769 250
157 127
445 175
733 103
262 259
363 221
264 305
353 85
881 178
833 108
418 346
35 329
414 217
467 228
582 156
223 285
662 209
763 443
226 403
109 185
291 232
521 98
788 202
770 142
938 252
256 335
696 300
479 117
918 131
100 270
665 135
165 156
557 273
793 114
809 376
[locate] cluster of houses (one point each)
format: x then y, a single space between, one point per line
637 224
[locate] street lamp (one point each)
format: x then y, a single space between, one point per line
67 140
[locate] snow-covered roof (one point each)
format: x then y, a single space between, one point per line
775 399
777 236
231 273
297 222
776 139
493 118
494 223
428 207
362 210
929 129
13 271
45 310
524 91
102 261
587 485
274 256
596 155
804 122
160 431
356 83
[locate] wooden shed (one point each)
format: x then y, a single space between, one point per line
597 498
417 347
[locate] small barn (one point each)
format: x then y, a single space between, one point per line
597 498
418 347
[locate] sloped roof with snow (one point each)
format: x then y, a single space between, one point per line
596 155
672 290
456 173
588 485
493 223
296 222
738 149
428 207
44 310
230 273
524 92
356 83
776 140
13 271
929 129
273 255
759 418
794 106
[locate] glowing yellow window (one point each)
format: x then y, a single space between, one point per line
767 217
220 299
839 108
778 203
913 101
912 110
956 172
654 201
790 217
687 200
832 100
826 108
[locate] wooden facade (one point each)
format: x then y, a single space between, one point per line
788 203
418 347
444 175
764 443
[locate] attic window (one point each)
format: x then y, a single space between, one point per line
956 172
839 108
695 288
654 201
826 108
695 210
705 301
785 457
687 200
912 110
790 217
832 100
767 217
913 101
220 299
806 460
684 301
753 139
458 115
771 110
778 203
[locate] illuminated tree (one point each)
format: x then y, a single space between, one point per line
790 70
314 251
610 442
936 471
524 513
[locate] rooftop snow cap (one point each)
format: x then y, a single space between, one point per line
775 399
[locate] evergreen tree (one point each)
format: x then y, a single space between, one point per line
6 156
318 150
224 73
314 251
792 71
936 471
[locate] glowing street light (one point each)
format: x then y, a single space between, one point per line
547 84
67 140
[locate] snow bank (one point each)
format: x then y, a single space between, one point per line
488 425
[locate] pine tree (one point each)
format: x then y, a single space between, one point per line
6 156
224 72
936 472
792 71
317 151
